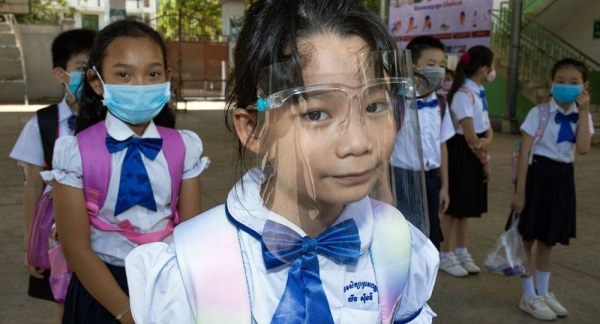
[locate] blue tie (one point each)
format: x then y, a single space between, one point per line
134 186
483 100
304 299
566 132
71 122
427 104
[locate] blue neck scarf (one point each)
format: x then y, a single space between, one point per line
427 104
483 99
566 132
134 185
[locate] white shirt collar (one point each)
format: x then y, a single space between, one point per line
119 130
555 107
246 206
473 86
64 111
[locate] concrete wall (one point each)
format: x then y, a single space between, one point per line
37 41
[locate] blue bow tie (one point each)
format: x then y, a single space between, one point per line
71 122
427 104
483 100
566 132
134 186
304 299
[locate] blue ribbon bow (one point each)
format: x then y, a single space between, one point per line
71 122
566 132
304 299
483 99
134 186
427 104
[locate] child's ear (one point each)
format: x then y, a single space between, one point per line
586 85
59 75
244 122
550 82
94 82
169 74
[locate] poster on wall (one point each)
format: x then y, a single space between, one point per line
460 24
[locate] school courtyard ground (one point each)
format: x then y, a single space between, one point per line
483 298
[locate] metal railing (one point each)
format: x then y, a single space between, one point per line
539 50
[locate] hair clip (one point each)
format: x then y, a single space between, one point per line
465 58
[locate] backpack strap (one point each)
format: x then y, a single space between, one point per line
543 118
96 161
216 285
468 92
48 124
442 104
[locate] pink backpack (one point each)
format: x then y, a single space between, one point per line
543 115
39 234
95 160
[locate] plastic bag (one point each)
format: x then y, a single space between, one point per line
508 255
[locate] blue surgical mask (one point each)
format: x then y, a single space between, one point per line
565 93
75 87
135 104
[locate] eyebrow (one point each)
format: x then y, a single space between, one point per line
125 65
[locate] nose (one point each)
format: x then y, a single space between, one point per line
354 136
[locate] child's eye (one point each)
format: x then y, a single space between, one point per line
122 74
377 106
315 115
154 74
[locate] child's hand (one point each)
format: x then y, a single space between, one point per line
487 172
33 271
518 203
583 101
444 200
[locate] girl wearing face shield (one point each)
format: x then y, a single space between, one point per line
300 238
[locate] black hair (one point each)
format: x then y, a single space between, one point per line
570 62
272 30
92 110
421 43
479 56
448 71
71 43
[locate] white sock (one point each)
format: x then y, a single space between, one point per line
444 255
461 250
542 281
528 289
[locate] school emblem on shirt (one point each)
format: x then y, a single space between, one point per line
359 294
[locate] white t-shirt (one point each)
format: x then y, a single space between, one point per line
469 105
547 145
433 130
28 148
112 247
158 295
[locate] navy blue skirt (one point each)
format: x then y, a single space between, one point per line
81 307
40 288
467 191
549 211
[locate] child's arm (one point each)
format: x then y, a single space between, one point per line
583 140
519 198
74 231
189 204
471 137
32 191
444 197
484 142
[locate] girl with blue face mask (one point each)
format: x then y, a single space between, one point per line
147 172
545 195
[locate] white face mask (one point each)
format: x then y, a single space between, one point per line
434 75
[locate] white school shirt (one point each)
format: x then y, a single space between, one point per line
29 148
547 145
462 107
158 295
112 247
434 132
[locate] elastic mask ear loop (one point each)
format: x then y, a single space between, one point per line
98 74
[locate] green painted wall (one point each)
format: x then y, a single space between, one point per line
495 93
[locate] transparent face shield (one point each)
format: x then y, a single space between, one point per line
326 130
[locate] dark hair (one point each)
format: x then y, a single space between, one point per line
478 56
71 43
448 71
421 43
272 26
92 110
570 62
